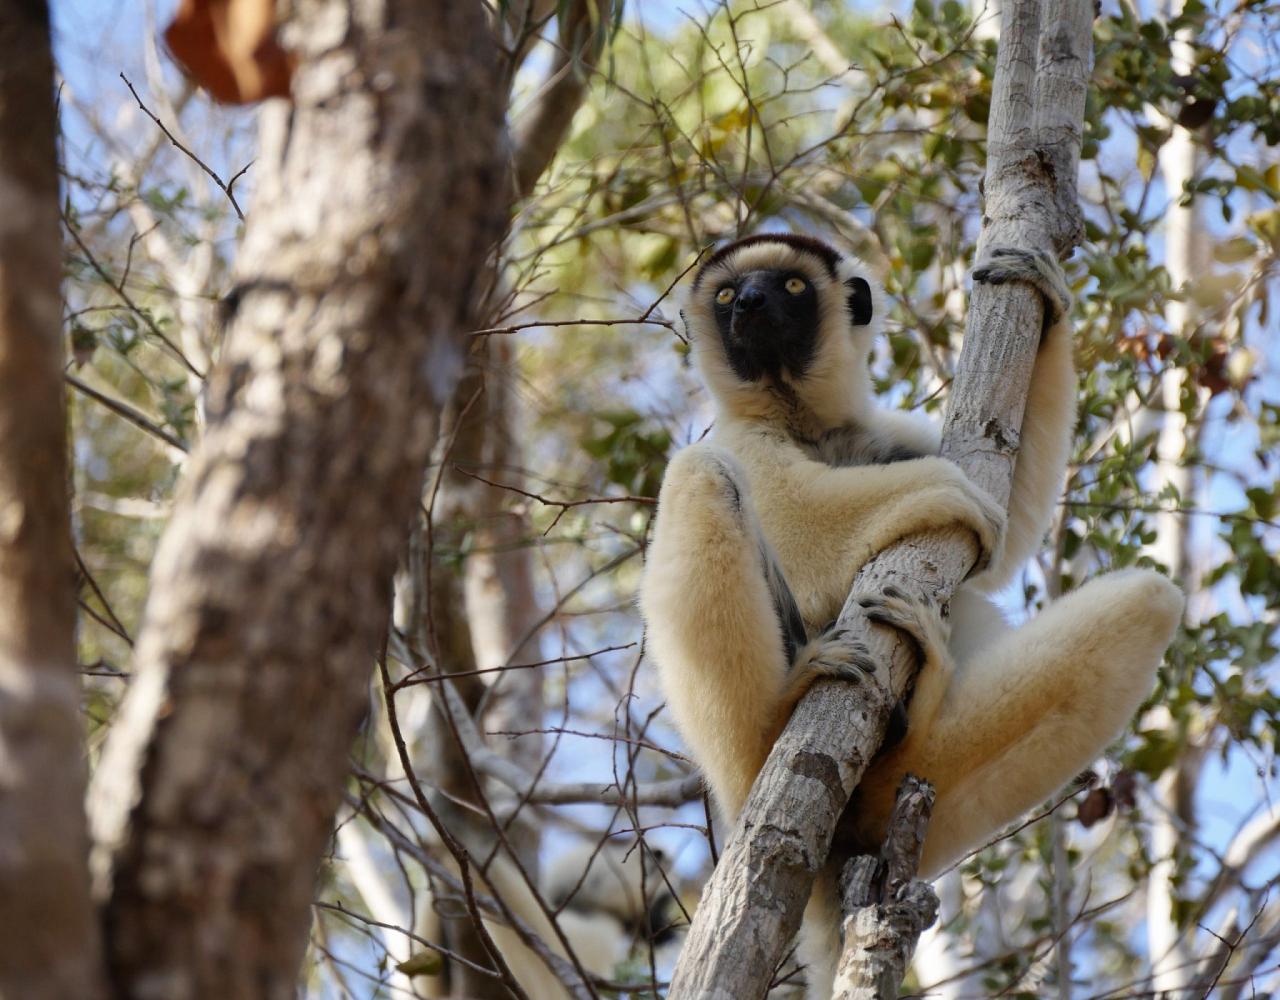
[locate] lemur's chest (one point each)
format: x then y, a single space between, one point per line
819 556
820 547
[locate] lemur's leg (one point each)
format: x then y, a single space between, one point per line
1050 417
723 625
1027 712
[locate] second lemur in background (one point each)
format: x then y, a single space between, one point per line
761 529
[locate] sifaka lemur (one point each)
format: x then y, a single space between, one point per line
762 527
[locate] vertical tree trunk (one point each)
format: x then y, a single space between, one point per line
485 614
501 601
1168 948
48 936
477 608
381 189
450 643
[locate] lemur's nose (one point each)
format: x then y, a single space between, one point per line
750 299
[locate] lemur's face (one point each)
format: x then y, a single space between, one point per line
768 322
777 308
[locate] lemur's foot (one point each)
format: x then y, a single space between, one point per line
834 654
1035 267
921 621
925 624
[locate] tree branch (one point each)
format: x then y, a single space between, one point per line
885 907
560 966
541 127
673 792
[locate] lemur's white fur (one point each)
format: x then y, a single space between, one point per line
999 719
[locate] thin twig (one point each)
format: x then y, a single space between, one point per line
564 505
106 605
495 331
118 288
226 188
123 409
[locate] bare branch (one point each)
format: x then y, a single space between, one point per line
674 792
224 186
135 417
885 907
133 307
540 129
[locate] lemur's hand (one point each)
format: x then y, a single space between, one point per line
921 621
1035 267
985 517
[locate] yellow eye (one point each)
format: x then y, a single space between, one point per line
795 285
725 295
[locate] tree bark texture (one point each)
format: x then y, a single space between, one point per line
752 905
885 907
381 190
48 934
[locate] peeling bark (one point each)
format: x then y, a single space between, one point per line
48 945
885 907
752 905
381 190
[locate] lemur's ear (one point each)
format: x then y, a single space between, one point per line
859 300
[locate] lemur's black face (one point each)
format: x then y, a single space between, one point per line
768 322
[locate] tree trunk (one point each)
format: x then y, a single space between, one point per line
1169 948
381 190
449 640
752 905
487 603
481 617
48 946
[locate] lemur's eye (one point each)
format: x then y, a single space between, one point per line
725 295
795 285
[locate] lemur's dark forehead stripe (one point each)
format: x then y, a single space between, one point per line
829 257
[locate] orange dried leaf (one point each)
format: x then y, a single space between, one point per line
229 47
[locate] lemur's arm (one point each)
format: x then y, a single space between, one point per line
1050 417
880 504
